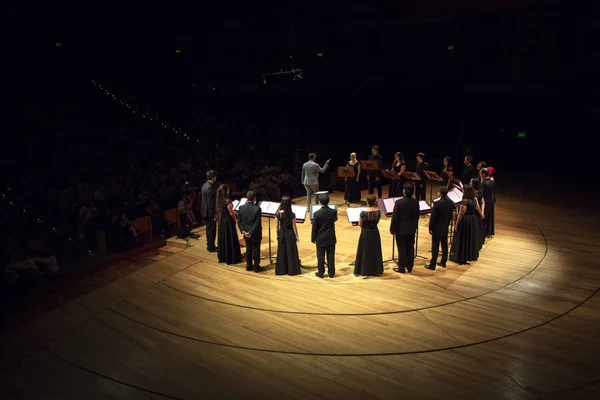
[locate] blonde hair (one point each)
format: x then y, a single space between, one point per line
352 155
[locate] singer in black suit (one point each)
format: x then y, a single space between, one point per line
374 177
209 209
469 172
250 223
405 219
323 235
438 228
421 189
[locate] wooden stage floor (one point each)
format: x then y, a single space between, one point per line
522 322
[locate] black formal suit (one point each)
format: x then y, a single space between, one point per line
468 174
489 196
323 235
405 219
250 220
209 210
441 215
420 189
374 175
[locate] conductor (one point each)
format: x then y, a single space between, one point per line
310 175
404 225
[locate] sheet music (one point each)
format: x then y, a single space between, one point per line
434 200
300 212
354 214
317 207
390 203
321 192
423 206
455 195
238 203
269 207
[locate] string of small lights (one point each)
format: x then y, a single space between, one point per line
144 115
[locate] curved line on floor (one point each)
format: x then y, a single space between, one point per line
75 365
300 353
369 313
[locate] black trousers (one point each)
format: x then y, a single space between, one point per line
435 246
330 250
211 232
420 190
253 251
375 184
406 250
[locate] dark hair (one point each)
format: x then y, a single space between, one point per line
401 156
311 156
324 199
286 207
421 155
443 191
408 190
469 193
222 198
449 160
450 169
211 173
371 200
485 172
483 164
375 147
469 159
250 196
476 184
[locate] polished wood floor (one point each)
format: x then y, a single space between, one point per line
522 322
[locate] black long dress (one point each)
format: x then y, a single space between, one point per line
490 198
397 185
353 188
465 246
481 224
229 245
288 262
369 258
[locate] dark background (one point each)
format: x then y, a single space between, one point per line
386 76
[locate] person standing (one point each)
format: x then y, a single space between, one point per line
465 244
323 235
489 197
405 220
420 189
310 175
374 177
441 215
209 209
369 258
447 163
288 262
250 224
397 185
469 172
229 244
353 187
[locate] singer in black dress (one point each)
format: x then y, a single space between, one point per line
465 246
288 262
353 188
398 166
489 197
476 184
369 258
444 172
229 244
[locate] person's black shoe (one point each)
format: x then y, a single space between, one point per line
213 250
442 265
249 268
318 274
259 269
409 269
400 270
430 267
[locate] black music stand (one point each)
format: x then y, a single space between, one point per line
346 172
270 215
369 165
432 176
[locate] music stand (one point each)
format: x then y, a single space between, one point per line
346 172
269 209
432 176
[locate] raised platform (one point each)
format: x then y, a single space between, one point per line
521 322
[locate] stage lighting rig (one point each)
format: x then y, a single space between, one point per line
296 74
